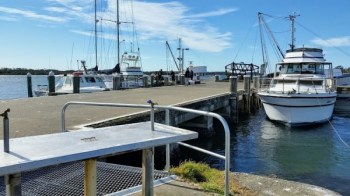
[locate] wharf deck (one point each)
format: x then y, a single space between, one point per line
42 115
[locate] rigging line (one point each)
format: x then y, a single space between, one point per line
268 15
244 40
256 37
135 32
330 123
315 34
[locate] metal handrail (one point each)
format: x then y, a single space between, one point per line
167 108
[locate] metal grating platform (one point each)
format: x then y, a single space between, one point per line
68 179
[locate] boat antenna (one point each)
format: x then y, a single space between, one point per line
292 18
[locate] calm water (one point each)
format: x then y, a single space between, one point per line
314 155
15 87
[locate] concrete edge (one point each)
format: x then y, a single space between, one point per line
137 189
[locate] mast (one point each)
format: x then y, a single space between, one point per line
292 18
96 32
180 57
118 23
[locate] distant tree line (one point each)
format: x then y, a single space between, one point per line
344 70
24 71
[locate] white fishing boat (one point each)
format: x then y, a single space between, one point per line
302 93
89 83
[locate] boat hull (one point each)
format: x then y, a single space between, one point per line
297 109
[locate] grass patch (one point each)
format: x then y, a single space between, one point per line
209 179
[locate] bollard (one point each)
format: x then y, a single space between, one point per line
145 81
6 125
152 80
76 83
29 85
116 82
51 80
157 81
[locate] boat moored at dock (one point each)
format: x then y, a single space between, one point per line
302 94
302 90
89 83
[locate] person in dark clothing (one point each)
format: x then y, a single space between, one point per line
187 76
172 76
117 67
191 74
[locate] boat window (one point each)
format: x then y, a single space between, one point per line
99 79
81 80
311 82
290 68
308 68
90 79
284 81
319 69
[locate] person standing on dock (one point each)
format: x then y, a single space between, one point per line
172 73
187 76
191 74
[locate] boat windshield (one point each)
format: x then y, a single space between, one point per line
302 68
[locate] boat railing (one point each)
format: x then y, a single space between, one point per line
297 85
152 106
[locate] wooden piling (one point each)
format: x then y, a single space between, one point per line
13 184
29 85
246 95
256 82
233 112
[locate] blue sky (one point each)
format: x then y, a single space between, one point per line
54 34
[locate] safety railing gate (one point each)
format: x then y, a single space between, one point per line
152 106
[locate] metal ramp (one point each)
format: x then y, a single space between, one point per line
68 179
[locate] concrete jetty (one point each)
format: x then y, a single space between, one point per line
42 115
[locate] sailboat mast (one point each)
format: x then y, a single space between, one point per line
96 32
118 23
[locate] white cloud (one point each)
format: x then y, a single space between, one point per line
56 9
219 12
31 14
154 21
172 20
332 42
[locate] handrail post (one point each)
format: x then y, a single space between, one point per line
152 113
6 130
167 146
